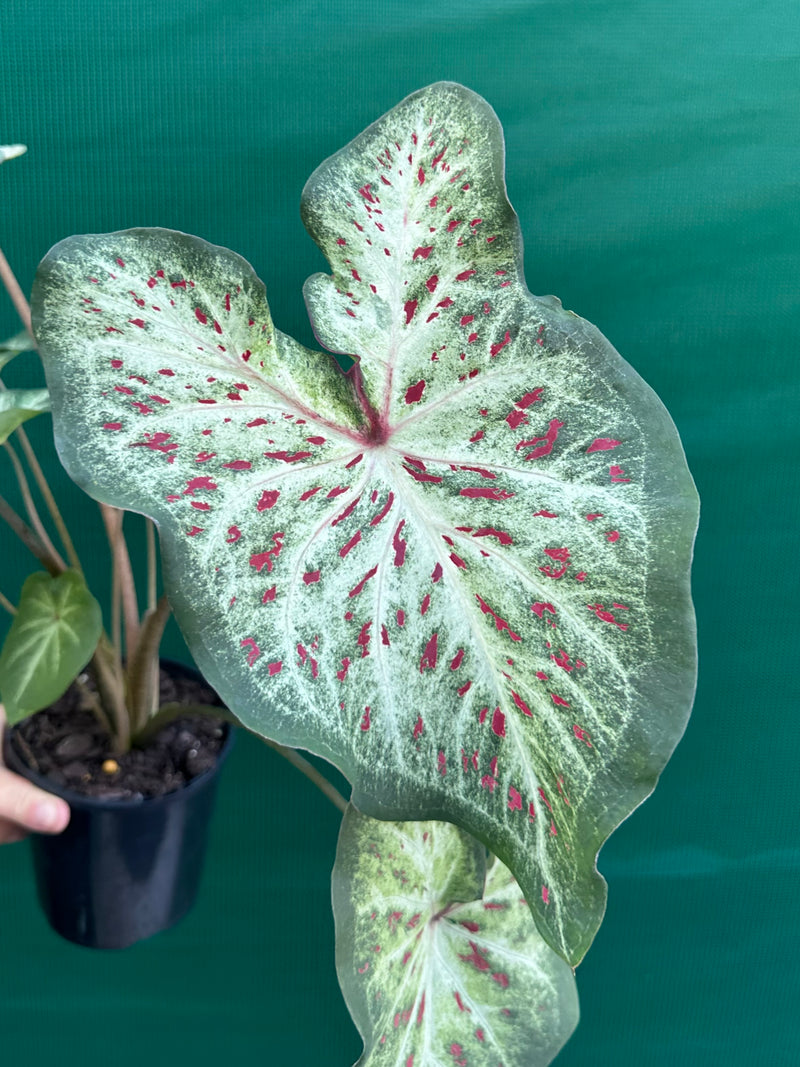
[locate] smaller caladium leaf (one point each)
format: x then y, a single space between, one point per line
20 342
19 405
438 956
11 151
52 637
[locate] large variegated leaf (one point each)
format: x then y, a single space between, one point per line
461 571
437 956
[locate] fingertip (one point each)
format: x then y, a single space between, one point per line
50 816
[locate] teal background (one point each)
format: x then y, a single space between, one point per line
653 152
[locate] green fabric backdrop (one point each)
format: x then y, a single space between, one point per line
653 157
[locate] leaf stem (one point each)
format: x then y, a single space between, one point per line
152 565
30 507
311 772
49 500
28 537
6 603
123 571
13 289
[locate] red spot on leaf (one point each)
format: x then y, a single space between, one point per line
547 441
523 707
234 533
350 544
617 474
269 499
499 723
428 659
238 465
602 444
414 393
287 457
384 511
409 308
486 492
366 722
254 652
364 638
267 559
499 345
360 585
311 577
581 735
399 544
501 624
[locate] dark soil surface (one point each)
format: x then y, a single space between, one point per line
66 744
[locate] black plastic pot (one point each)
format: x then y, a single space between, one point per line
122 870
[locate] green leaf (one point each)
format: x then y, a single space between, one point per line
19 405
52 637
459 572
438 958
20 342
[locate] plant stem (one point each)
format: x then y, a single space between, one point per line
23 309
143 667
311 772
112 519
27 536
30 507
15 292
6 603
152 565
49 500
110 687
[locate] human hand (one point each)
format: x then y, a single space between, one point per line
25 807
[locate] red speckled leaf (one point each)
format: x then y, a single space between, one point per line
461 571
437 955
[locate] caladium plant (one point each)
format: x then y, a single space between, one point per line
459 571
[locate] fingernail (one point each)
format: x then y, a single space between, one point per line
48 816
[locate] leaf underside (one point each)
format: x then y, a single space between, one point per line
19 405
437 955
460 571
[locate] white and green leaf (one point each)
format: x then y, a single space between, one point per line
51 639
11 151
437 954
19 405
460 571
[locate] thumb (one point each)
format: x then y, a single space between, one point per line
27 806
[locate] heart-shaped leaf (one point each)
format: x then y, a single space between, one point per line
438 957
52 637
459 572
19 405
